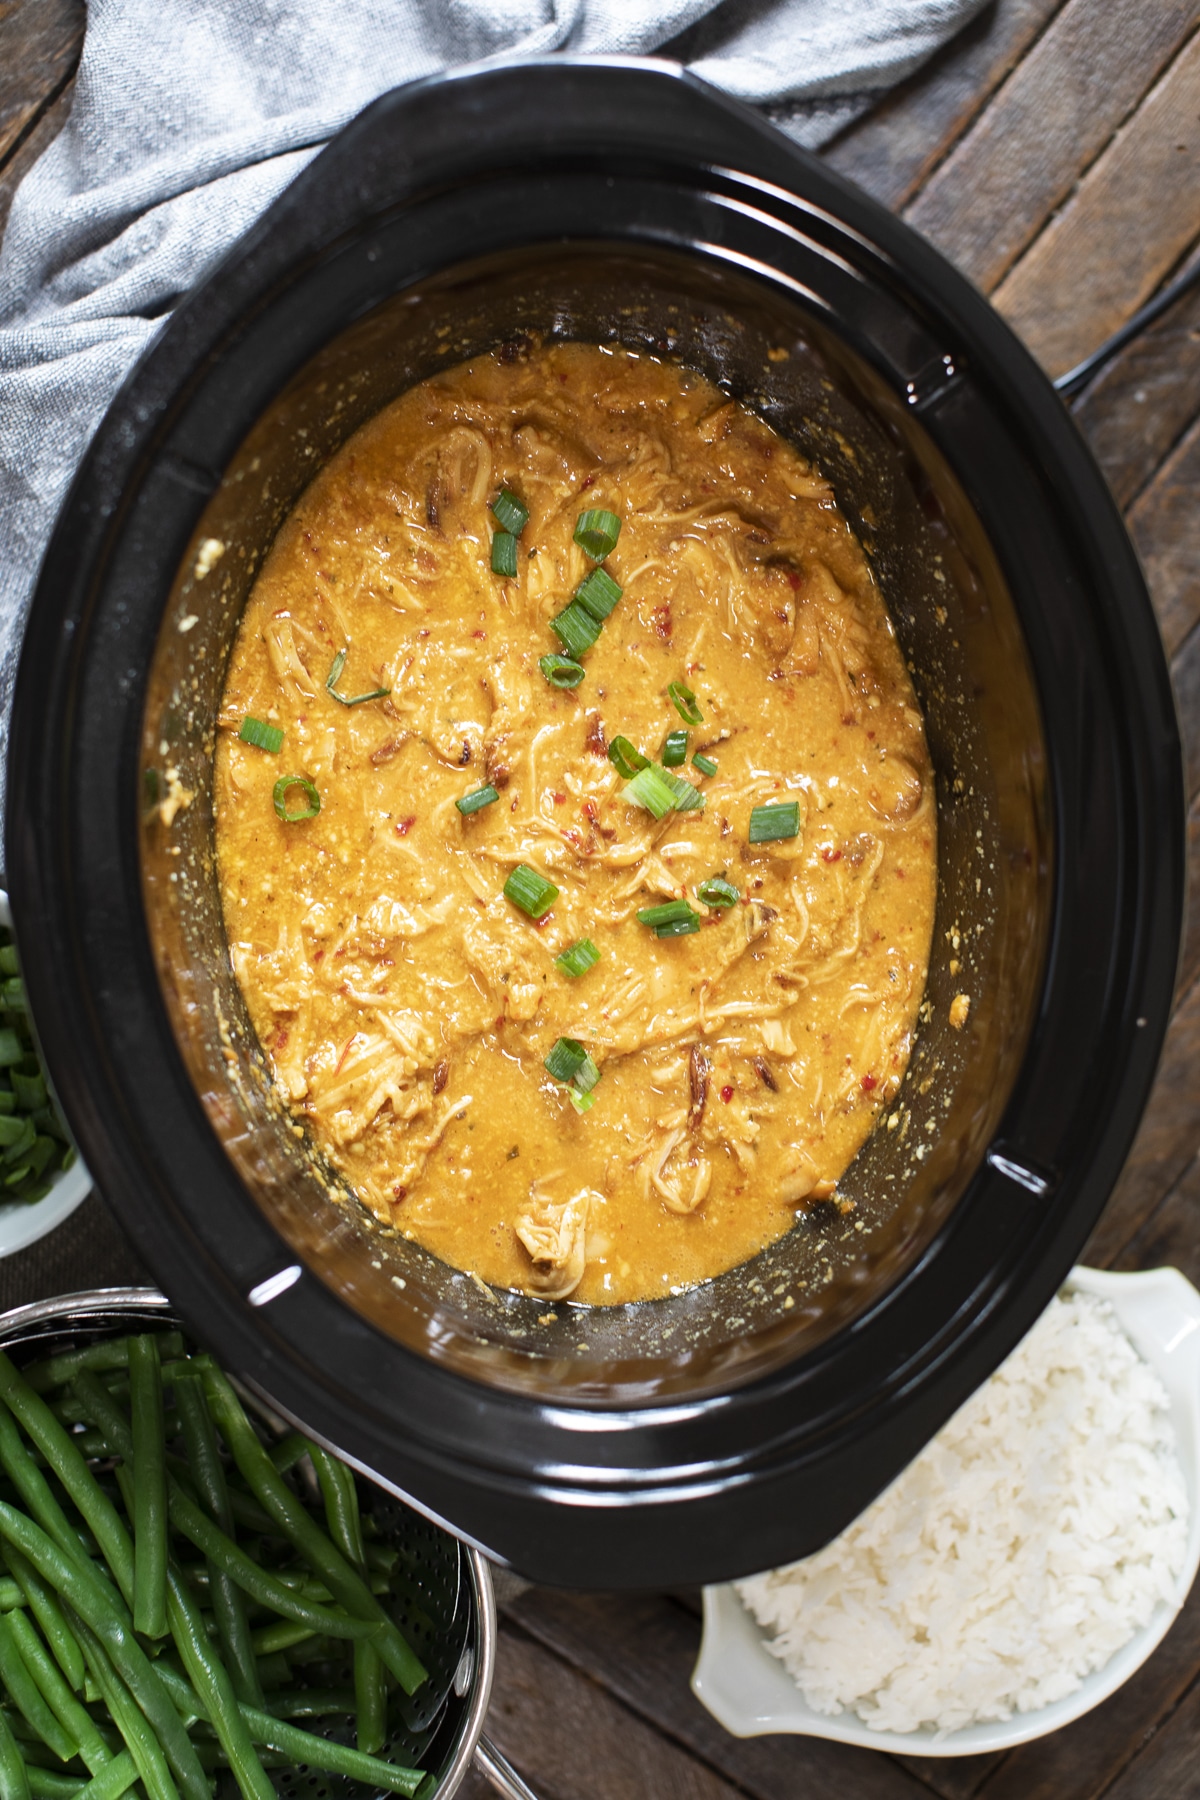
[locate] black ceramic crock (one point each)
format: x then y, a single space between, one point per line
743 1422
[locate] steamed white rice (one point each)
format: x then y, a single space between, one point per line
1030 1540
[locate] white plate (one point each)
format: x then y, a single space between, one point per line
751 1692
22 1224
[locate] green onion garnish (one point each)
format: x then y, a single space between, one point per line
586 1076
625 759
560 671
312 804
335 675
566 1059
530 891
674 750
674 919
716 891
504 554
471 803
597 533
509 513
598 593
653 789
705 764
576 628
579 958
775 819
687 797
685 703
581 1102
261 735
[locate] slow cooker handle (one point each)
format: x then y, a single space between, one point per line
500 1772
1069 385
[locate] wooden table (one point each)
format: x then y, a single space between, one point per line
1053 152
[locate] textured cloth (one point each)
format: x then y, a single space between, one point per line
190 116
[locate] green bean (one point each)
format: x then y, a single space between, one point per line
93 1602
204 1459
26 1696
312 1703
211 1681
289 1451
110 1782
46 1784
280 1636
57 1371
34 1489
277 1498
274 1671
194 1524
14 1778
71 1469
76 1722
306 1747
11 1594
340 1494
142 1744
149 1489
47 1612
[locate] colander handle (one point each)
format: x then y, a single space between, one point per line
500 1772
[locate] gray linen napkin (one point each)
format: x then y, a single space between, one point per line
190 116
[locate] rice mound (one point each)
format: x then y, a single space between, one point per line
1032 1538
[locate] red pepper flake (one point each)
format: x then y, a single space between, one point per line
793 576
399 1192
499 1024
317 955
404 826
590 813
559 799
588 480
830 855
279 1041
727 1094
661 617
345 1052
479 634
900 871
573 838
424 632
867 1083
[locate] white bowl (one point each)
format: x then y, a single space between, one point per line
22 1223
751 1692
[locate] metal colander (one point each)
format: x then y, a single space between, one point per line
443 1590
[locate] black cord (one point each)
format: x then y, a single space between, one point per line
1069 384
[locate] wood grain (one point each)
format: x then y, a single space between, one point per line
40 41
1056 112
1143 403
1171 1235
1133 217
1185 679
1166 1768
642 1650
1165 526
893 149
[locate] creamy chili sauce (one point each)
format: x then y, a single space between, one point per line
407 1004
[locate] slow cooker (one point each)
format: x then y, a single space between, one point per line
745 1421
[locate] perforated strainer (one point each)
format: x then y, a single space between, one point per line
442 1589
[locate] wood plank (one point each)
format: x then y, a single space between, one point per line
1164 524
39 139
642 1650
1133 217
40 42
1054 114
1185 678
572 1741
1166 1768
1171 1234
1143 403
900 141
1081 1760
1167 1139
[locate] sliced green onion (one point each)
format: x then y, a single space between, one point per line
625 759
509 512
261 735
716 891
598 593
560 671
597 533
685 703
586 1075
579 958
705 764
674 750
687 797
12 1050
335 675
576 628
566 1059
471 803
774 819
671 912
654 790
679 928
504 554
280 794
581 1102
530 891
